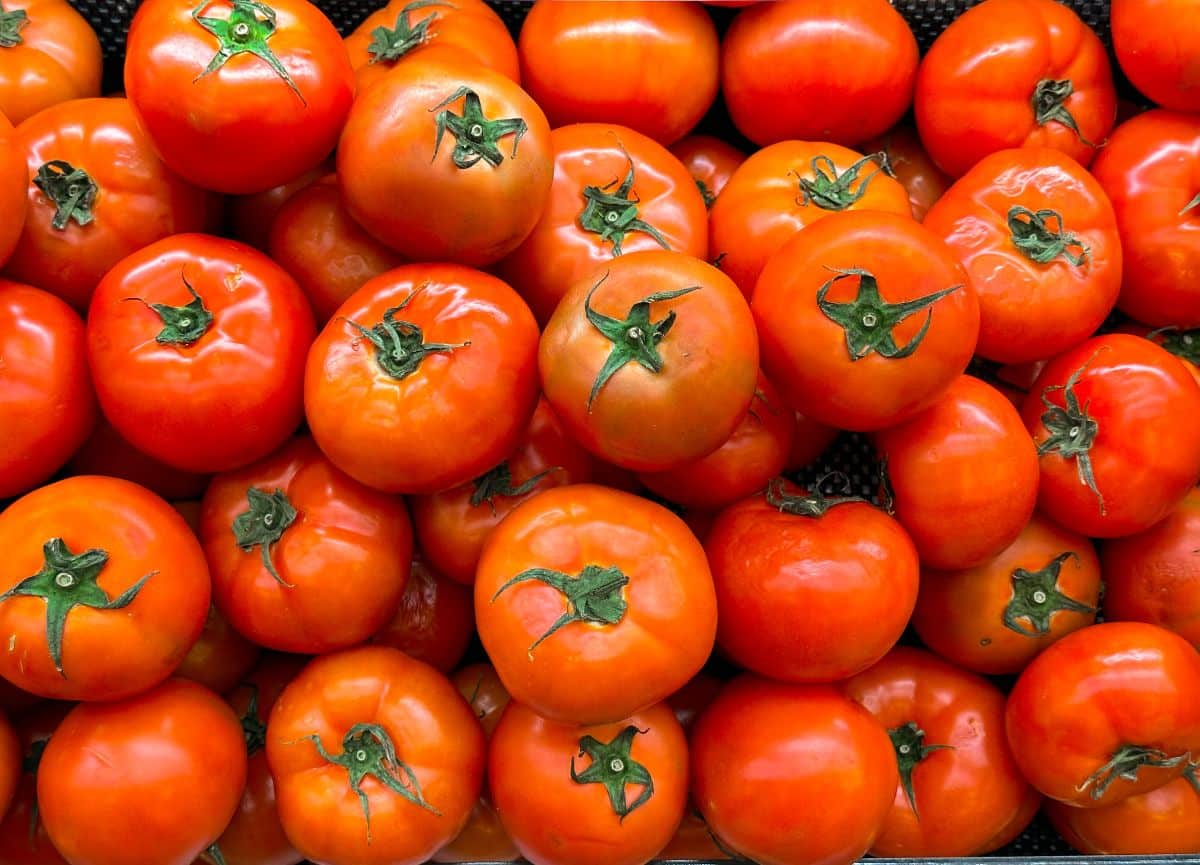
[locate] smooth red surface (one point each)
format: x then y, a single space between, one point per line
434 621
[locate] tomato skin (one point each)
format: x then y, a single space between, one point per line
917 173
1166 820
961 614
559 252
1183 344
220 657
529 768
432 730
1096 691
710 161
18 844
806 70
106 453
107 654
14 177
767 751
392 433
48 408
1143 463
1156 42
1031 310
811 440
974 442
661 639
434 621
999 52
250 217
58 58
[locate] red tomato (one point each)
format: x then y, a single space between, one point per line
1166 820
48 54
434 622
1156 43
710 161
250 216
14 178
106 453
407 415
23 838
221 657
911 165
1184 344
1042 74
481 687
811 440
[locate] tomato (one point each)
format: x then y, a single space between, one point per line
1184 344
710 161
376 758
813 71
1150 170
1156 43
765 752
1042 74
221 657
14 177
1114 461
435 619
604 794
865 319
97 788
615 191
584 584
416 416
995 617
48 408
23 839
1038 239
651 363
97 193
250 217
269 82
812 438
911 165
785 187
960 792
693 840
106 453
105 590
973 442
407 29
48 54
452 525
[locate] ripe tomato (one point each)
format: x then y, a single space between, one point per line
811 440
1156 43
98 193
615 191
605 794
106 453
1114 459
973 442
995 617
215 340
48 54
651 363
710 161
1107 712
911 165
960 792
587 584
810 588
250 217
452 525
435 619
407 415
1150 170
814 71
221 657
865 319
376 758
97 789
23 838
48 408
1038 239
765 752
105 590
1041 72
1184 344
269 82
1166 820
693 840
781 189
14 177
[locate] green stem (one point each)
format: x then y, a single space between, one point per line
247 30
1040 242
476 138
1037 597
1049 105
908 740
72 191
614 768
262 525
499 483
1072 430
1124 764
388 45
596 595
829 190
11 22
400 346
611 211
182 325
815 504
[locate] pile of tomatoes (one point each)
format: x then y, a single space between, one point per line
439 498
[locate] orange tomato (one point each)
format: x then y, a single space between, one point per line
48 54
14 177
911 165
711 162
434 622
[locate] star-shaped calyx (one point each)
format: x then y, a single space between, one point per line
182 325
1072 431
247 30
71 190
596 595
400 345
262 525
611 211
1041 236
613 767
1124 764
498 483
908 741
1049 101
830 190
390 44
11 22
1036 597
476 138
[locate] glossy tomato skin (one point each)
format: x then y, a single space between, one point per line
249 217
990 618
56 58
1156 42
1142 462
1014 54
658 626
405 703
339 551
1093 695
964 475
1032 308
14 177
881 374
911 165
49 408
765 752
459 413
106 654
106 453
1166 820
23 838
434 621
810 71
710 161
969 794
137 201
561 250
243 375
279 125
220 657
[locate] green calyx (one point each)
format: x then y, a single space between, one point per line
254 728
388 45
614 769
214 854
596 595
498 483
1124 764
868 320
815 504
247 30
707 194
1190 205
611 211
829 190
72 191
1181 343
269 515
182 325
11 22
1072 431
475 137
908 741
67 581
1042 237
1049 103
400 346
1036 598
